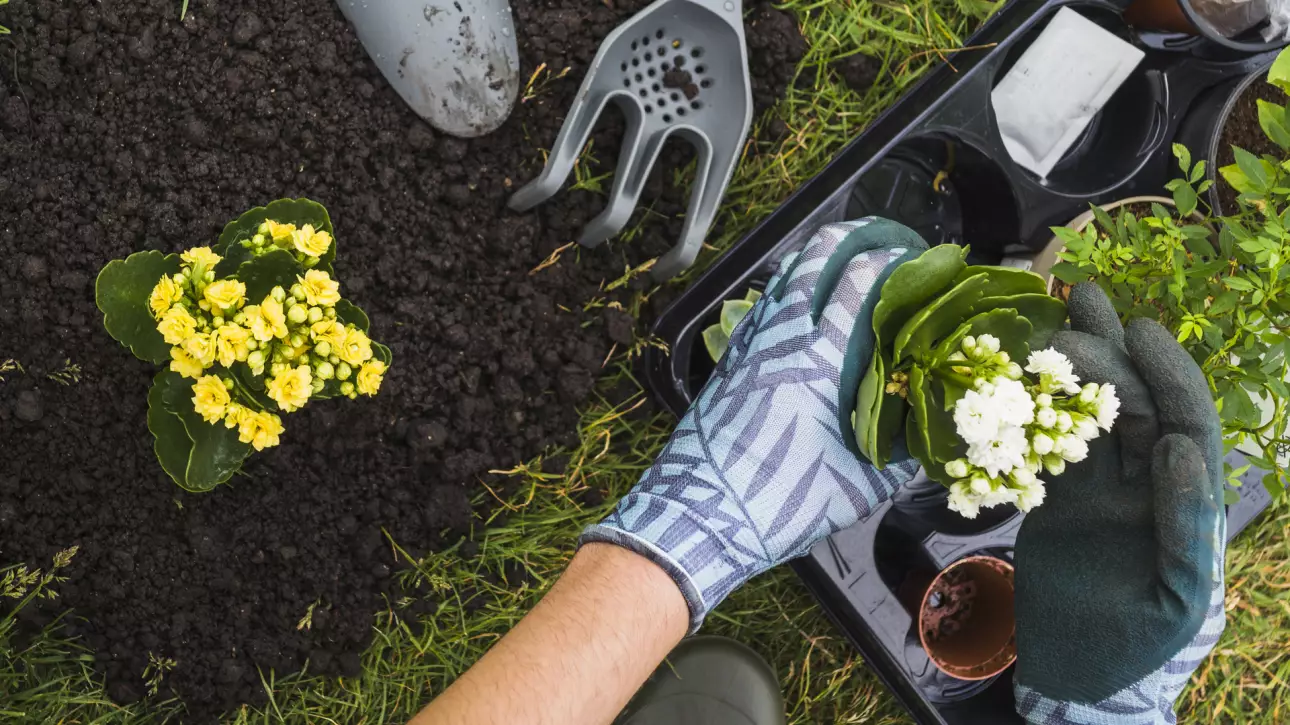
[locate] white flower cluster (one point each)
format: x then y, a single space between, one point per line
1015 428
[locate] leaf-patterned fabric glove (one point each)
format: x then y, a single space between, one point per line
764 463
1120 572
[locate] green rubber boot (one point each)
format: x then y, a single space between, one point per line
708 681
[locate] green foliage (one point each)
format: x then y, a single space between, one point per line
925 310
121 292
198 455
234 242
1222 293
716 338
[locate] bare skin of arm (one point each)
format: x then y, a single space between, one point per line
582 652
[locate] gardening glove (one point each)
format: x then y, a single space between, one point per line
1120 572
764 463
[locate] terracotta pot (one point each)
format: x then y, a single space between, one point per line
966 620
1159 15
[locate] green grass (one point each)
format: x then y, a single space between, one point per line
824 680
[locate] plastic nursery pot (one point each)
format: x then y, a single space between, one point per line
1190 17
966 621
1206 128
1159 15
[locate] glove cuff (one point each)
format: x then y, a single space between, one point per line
697 557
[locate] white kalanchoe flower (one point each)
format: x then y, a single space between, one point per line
962 501
1042 443
1064 421
1088 393
999 495
1022 477
1031 496
980 485
1072 448
1056 374
1006 452
1055 465
975 417
1013 371
989 343
1012 402
1108 407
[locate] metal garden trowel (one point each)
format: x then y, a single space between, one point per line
677 67
455 62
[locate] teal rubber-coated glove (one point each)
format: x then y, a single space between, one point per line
1120 572
764 464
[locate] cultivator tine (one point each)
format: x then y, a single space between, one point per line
564 154
717 162
634 164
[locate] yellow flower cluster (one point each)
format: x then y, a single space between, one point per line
295 334
308 242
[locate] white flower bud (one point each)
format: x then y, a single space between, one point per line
958 357
298 314
1088 393
278 294
981 485
1064 422
1013 371
1054 465
958 468
1085 428
315 315
1046 417
1042 444
343 371
325 371
1023 477
983 386
969 344
989 343
1002 357
1044 400
1072 448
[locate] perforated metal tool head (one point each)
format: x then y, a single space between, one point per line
678 67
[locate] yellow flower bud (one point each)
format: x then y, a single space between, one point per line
201 345
210 398
309 242
320 288
357 348
231 344
201 257
184 364
226 294
280 233
290 389
164 295
176 325
260 429
267 320
369 377
233 415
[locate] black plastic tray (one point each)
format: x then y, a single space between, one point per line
946 123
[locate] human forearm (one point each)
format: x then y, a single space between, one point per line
582 652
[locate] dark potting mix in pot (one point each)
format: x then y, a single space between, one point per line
125 130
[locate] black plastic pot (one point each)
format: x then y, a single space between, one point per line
1204 126
946 124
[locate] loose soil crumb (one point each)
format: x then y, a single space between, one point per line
858 71
1243 131
122 129
677 78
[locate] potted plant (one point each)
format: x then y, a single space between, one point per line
1225 298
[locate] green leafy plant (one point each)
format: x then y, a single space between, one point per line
1223 293
251 328
949 339
716 338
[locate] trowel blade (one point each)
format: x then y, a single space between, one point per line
455 62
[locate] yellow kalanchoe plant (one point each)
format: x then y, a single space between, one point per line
251 328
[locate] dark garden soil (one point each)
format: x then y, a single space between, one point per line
122 128
1243 131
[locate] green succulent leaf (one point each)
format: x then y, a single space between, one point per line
284 211
934 470
716 341
1046 315
276 268
1279 73
121 293
935 424
752 295
251 389
350 314
382 353
172 444
732 313
929 325
216 452
1012 330
868 407
911 285
1003 281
